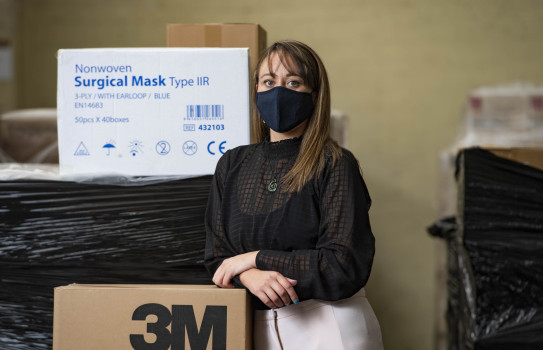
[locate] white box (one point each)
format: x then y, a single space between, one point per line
151 111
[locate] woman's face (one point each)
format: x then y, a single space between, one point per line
279 76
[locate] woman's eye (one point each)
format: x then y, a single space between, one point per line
294 83
268 83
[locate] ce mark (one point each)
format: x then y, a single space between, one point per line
221 147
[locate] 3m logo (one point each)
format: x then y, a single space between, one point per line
181 318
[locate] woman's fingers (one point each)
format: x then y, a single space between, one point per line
226 281
218 276
265 299
232 267
272 299
280 290
271 287
288 286
222 278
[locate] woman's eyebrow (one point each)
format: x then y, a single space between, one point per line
273 75
294 75
270 74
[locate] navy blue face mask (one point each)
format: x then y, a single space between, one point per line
283 109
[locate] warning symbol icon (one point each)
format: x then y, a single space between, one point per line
81 150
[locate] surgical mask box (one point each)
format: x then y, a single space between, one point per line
249 35
150 111
151 317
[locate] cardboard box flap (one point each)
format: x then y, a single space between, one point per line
527 156
141 286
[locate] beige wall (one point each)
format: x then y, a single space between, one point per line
399 69
8 20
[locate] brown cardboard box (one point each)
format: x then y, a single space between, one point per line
151 317
248 35
528 156
29 135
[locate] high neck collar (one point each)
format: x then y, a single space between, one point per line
282 149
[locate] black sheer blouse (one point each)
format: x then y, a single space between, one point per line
320 237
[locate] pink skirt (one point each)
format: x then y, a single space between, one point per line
346 324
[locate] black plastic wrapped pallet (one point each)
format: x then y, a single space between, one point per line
501 206
461 297
53 233
495 256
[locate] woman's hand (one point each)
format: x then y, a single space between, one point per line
274 289
232 267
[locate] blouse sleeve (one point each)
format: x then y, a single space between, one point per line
218 246
341 261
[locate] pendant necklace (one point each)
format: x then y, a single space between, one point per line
272 186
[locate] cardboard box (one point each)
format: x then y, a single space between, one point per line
29 135
247 35
151 317
527 156
154 111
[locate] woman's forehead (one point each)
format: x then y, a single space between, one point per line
277 60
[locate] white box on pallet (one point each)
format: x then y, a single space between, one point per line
150 111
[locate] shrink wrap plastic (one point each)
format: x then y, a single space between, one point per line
113 229
495 254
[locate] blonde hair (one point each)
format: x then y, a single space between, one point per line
300 59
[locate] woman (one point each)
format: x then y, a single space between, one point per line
287 217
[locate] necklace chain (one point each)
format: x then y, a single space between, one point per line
274 184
